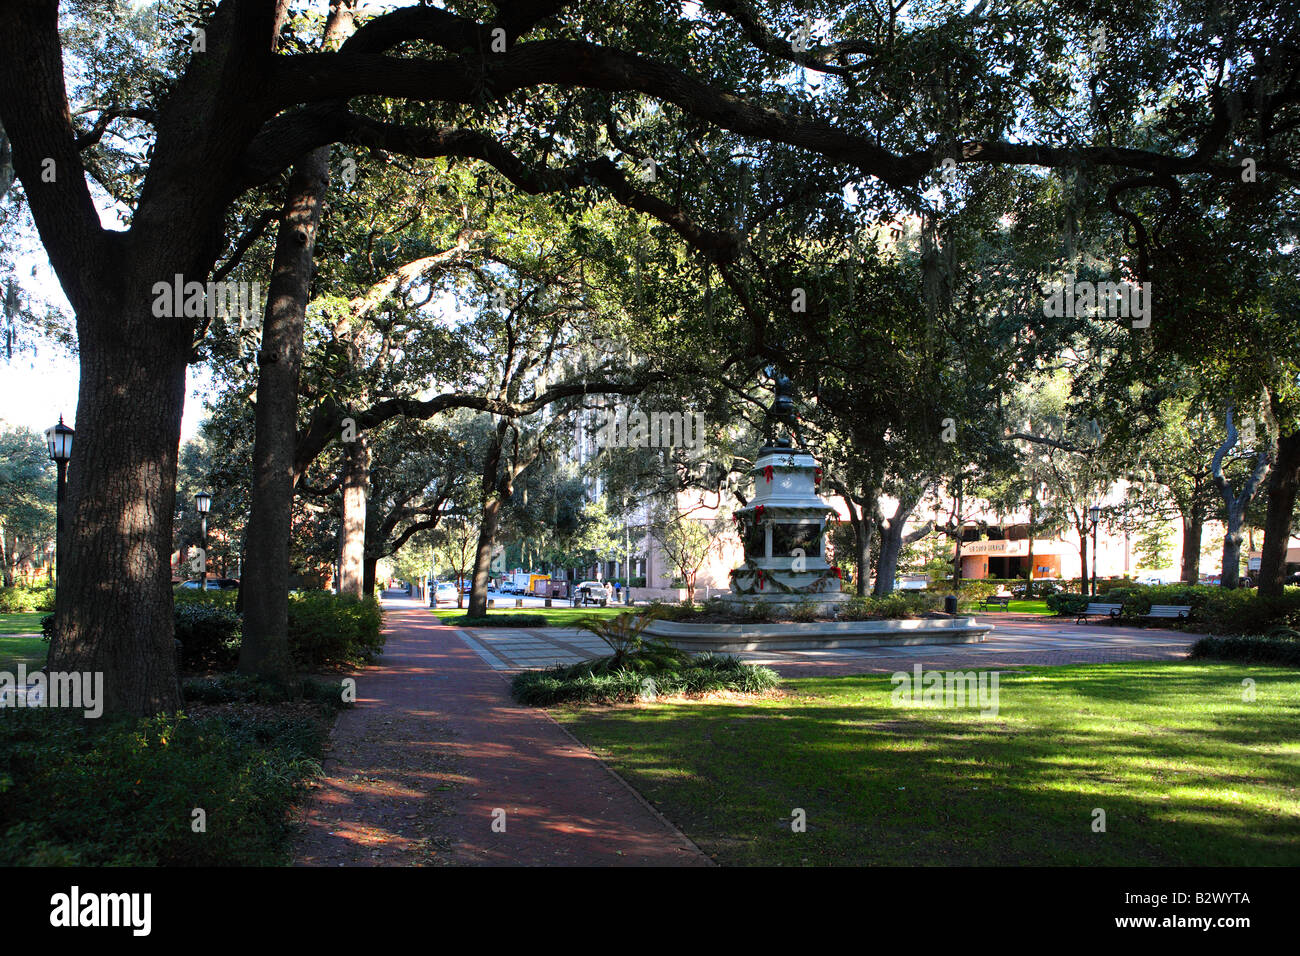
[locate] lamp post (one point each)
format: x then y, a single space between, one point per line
58 438
203 501
1094 513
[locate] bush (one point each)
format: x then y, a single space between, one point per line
1280 649
121 791
23 599
1214 609
209 634
47 627
327 628
240 688
900 604
500 620
672 672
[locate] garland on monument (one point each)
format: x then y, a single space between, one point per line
760 577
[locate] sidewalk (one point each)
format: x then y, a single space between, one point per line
436 752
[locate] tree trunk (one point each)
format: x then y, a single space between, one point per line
352 544
1193 528
862 530
368 576
891 543
265 649
113 605
487 531
1283 486
1085 583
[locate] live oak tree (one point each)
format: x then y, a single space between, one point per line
892 97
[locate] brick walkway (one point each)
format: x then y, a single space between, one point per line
420 770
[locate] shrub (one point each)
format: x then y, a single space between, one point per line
241 688
900 604
622 632
804 612
1064 603
1268 649
1214 609
120 791
209 634
23 599
327 628
47 627
501 620
214 597
672 672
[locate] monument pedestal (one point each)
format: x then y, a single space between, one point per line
783 531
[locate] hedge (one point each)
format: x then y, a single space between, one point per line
23 599
1253 649
324 629
1214 609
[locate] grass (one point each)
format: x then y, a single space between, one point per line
556 616
1187 771
1014 606
23 622
26 650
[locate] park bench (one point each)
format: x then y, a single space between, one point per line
1097 610
1002 600
1173 612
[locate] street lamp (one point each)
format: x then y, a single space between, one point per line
59 440
203 501
1094 513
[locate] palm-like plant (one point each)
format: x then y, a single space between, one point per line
622 632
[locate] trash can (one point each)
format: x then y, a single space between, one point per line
950 604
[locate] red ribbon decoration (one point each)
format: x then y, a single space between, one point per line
817 477
758 513
767 472
760 578
839 575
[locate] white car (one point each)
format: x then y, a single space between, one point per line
597 595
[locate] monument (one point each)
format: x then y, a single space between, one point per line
783 530
783 527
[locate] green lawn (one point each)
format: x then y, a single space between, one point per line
556 616
1186 771
28 650
28 622
1037 606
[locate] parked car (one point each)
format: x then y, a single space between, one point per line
444 591
214 584
589 592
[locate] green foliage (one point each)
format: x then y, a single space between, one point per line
241 688
329 628
324 628
1214 609
900 604
1253 649
121 791
623 632
671 672
23 599
209 634
501 620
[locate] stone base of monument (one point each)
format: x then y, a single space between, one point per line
815 635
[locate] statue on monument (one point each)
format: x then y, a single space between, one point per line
782 411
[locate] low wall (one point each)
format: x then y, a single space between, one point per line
675 595
794 635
